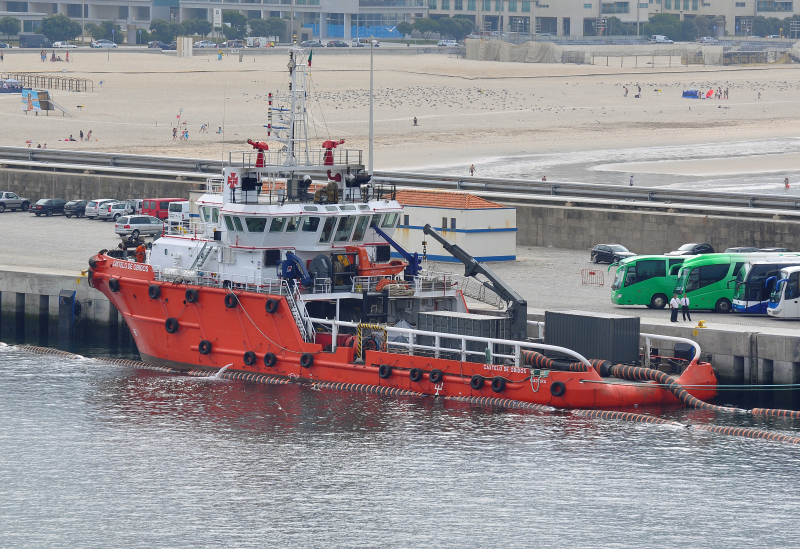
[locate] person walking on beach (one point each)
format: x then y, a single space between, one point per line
174 134
685 308
81 135
472 169
1 57
67 56
674 306
626 91
415 120
759 96
785 183
204 128
726 93
89 136
631 180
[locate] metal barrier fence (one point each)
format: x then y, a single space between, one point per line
592 277
51 81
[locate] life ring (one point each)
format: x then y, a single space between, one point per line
270 359
249 358
154 291
204 347
415 375
306 360
171 325
384 371
558 388
231 300
191 295
477 382
498 385
113 285
436 376
272 305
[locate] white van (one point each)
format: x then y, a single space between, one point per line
179 214
660 39
364 42
448 43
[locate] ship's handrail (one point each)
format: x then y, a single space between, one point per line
276 159
368 283
298 307
412 334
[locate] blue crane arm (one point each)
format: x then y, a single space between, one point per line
413 259
302 273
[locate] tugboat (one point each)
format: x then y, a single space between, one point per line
285 277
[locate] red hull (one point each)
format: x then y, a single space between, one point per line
248 327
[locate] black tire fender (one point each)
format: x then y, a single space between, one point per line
272 305
154 291
415 375
191 295
436 376
113 285
270 359
477 382
384 371
204 347
231 301
498 384
306 360
171 325
249 358
557 388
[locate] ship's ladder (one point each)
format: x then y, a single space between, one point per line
201 257
299 311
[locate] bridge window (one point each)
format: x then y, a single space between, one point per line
310 224
345 228
238 223
277 224
228 222
361 228
389 220
255 224
376 220
205 214
215 215
292 224
327 230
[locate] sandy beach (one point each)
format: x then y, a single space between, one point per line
468 111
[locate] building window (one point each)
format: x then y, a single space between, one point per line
740 4
526 7
617 7
498 6
444 223
17 7
405 220
432 4
470 5
512 5
644 5
143 13
685 5
587 6
765 6
453 223
487 5
73 10
458 5
445 4
123 12
30 26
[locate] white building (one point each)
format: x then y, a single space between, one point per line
486 230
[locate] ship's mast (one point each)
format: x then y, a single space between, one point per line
291 125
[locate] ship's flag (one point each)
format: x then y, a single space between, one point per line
310 55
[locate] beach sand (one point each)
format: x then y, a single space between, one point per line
468 111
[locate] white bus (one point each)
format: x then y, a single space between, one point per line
785 300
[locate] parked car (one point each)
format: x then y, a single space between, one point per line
179 213
693 249
310 44
204 44
775 250
103 43
660 39
232 44
337 44
610 253
173 45
11 201
447 43
113 210
75 207
48 206
4 45
708 40
158 207
741 250
64 45
136 225
773 36
365 42
158 45
93 206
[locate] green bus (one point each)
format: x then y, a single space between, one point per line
709 280
646 280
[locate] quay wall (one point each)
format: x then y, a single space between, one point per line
646 232
35 184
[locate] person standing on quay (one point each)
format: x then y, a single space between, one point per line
472 169
674 306
785 183
685 308
631 180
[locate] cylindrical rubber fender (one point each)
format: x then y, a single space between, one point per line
385 371
270 359
498 385
249 358
272 305
191 295
306 360
204 347
477 382
231 300
603 367
557 388
154 291
113 285
415 375
171 325
537 360
436 376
